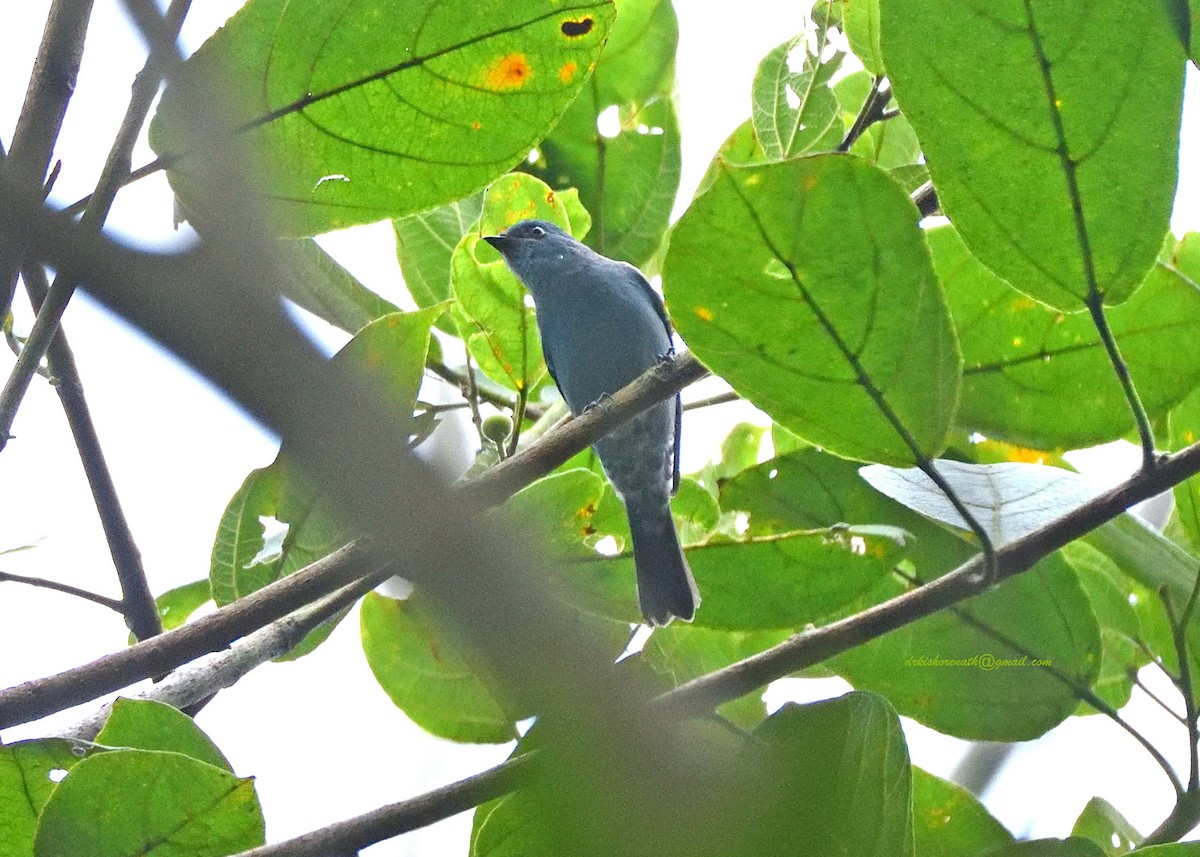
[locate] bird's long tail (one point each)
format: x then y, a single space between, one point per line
666 589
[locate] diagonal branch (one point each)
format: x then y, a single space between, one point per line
51 85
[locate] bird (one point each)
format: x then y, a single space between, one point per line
601 326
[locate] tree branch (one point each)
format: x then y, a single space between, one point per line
65 588
200 680
161 654
51 85
137 602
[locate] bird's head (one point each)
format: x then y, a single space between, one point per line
535 249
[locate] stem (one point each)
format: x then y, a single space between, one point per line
518 418
870 113
1095 305
42 583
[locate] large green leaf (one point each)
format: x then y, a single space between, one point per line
29 772
428 677
379 109
626 175
1003 666
1058 184
149 803
844 767
806 284
1036 376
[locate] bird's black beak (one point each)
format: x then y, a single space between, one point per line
500 242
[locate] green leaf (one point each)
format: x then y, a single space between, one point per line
29 772
560 508
796 111
810 489
1005 101
428 677
318 283
949 821
844 766
763 584
627 180
1175 849
1101 823
425 245
498 325
777 281
143 724
1042 378
379 110
146 802
860 21
1000 667
1120 629
739 450
233 571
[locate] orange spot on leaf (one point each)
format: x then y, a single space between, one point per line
705 313
475 126
550 198
567 72
511 71
810 182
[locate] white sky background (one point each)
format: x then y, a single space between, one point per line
322 738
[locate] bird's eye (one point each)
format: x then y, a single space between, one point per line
538 231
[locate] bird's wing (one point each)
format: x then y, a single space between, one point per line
639 279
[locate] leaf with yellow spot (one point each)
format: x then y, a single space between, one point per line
410 103
1039 378
1004 100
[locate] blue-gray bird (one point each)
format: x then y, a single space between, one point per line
602 326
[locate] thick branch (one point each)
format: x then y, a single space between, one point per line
161 654
200 680
578 433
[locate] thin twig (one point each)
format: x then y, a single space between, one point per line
137 601
718 399
1155 698
43 583
517 419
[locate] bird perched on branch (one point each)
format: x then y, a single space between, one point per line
602 326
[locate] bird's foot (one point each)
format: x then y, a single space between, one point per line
601 403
